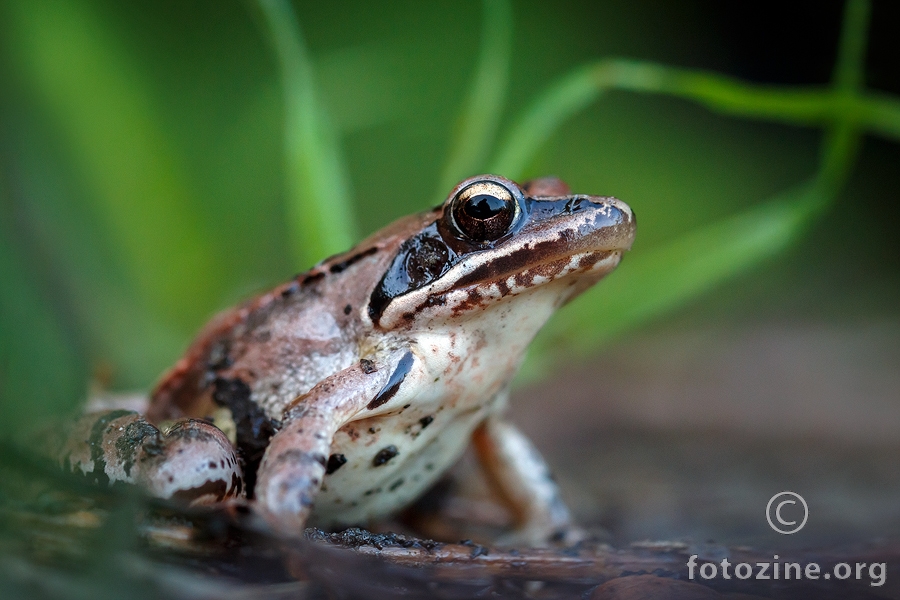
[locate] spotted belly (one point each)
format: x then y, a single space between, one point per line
379 465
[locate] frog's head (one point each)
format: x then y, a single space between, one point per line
492 241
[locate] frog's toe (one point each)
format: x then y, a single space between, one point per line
286 490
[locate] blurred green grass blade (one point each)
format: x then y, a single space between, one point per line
849 73
100 102
380 86
563 99
477 126
70 255
319 211
659 280
875 112
654 282
41 370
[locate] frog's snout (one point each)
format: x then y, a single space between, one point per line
614 221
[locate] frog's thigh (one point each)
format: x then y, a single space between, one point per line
523 481
193 461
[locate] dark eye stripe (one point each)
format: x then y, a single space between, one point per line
420 260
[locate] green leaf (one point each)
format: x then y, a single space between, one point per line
41 370
563 99
319 211
483 107
83 75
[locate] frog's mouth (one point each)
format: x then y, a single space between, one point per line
584 268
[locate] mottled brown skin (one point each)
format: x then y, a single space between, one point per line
186 389
353 386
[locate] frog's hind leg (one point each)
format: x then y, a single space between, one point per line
522 480
192 461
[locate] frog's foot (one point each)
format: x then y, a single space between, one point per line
525 485
192 461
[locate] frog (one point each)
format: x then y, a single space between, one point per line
341 396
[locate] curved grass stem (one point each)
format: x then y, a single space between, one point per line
319 210
478 123
665 277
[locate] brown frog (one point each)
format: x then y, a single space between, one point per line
351 388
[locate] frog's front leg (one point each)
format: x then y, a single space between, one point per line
296 459
524 483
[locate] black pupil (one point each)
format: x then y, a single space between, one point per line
484 206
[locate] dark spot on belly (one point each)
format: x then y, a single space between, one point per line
372 430
348 309
384 455
213 465
367 366
335 462
254 428
395 485
370 492
426 421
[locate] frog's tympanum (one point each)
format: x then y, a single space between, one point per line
351 388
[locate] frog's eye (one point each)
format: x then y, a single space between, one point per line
484 211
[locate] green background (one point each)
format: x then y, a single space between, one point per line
144 182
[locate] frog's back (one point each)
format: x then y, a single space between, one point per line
258 356
263 354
